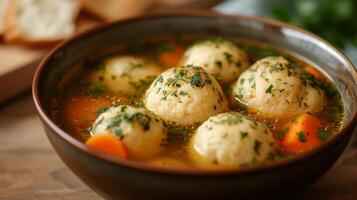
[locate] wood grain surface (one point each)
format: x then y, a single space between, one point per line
31 170
18 62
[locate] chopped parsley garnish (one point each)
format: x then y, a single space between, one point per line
176 134
268 90
144 120
257 145
323 135
183 93
140 87
118 133
228 57
180 76
238 64
295 120
282 132
241 81
102 110
184 76
232 118
219 64
159 79
328 88
243 134
196 80
302 137
141 118
97 88
276 156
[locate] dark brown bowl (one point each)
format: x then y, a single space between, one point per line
117 179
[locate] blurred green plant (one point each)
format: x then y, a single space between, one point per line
334 20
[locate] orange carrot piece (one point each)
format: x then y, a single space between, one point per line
302 135
80 111
108 144
314 72
171 58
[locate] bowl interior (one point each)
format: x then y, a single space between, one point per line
288 38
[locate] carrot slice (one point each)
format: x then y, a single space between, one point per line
302 135
314 72
171 58
108 144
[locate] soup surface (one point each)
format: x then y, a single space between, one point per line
198 102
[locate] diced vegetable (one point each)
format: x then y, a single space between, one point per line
108 144
81 111
171 55
314 72
304 134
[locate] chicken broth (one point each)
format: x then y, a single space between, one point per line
182 99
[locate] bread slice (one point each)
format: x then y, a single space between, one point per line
111 10
3 4
40 21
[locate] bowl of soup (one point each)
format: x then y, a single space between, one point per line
195 105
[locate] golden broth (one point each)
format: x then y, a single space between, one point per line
79 102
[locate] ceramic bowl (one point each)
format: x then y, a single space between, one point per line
118 179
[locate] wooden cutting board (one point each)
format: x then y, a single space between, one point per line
18 63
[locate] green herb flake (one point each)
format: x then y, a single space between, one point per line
282 132
219 64
302 137
323 135
257 145
118 133
275 156
238 64
242 81
139 117
98 88
176 134
183 93
102 110
295 120
269 89
327 87
196 80
228 57
243 134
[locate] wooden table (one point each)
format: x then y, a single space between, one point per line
30 169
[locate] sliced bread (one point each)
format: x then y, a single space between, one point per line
40 21
110 10
3 4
